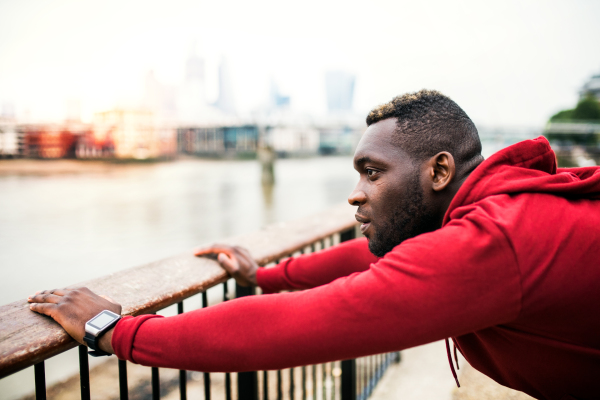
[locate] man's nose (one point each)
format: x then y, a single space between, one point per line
357 197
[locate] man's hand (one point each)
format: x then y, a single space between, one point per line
72 308
237 261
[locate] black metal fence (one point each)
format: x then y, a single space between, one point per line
341 380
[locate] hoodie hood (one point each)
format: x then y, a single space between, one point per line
526 167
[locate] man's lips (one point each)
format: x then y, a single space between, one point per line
364 227
365 223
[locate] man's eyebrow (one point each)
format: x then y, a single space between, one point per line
363 160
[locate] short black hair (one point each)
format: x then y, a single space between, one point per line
429 122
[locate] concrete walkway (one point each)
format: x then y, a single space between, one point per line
424 374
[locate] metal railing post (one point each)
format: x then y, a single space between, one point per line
84 373
40 381
348 235
247 386
182 373
206 374
226 297
349 379
348 366
123 390
155 384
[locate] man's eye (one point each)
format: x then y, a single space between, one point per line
371 173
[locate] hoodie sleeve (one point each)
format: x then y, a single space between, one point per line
316 269
446 283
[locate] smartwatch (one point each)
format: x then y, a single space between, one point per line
96 327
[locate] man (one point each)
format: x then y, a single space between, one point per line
500 255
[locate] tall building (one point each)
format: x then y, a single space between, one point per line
225 102
192 98
278 101
340 91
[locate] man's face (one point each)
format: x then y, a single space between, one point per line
389 195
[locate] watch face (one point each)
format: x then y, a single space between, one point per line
102 320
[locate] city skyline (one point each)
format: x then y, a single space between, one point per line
506 64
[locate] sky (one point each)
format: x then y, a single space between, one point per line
506 63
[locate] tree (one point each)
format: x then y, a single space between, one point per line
587 109
564 115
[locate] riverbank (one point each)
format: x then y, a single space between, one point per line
30 167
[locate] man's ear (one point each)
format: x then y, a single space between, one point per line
441 170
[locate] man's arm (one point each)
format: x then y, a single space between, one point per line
455 280
303 272
446 283
311 270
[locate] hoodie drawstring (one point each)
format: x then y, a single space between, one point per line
451 363
455 356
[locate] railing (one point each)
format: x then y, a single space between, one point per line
27 338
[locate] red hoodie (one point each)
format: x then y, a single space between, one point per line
513 276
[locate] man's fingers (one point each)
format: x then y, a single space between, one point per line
230 263
214 250
43 308
44 298
245 251
58 292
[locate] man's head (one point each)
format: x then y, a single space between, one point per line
413 157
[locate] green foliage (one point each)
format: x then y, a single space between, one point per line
564 115
588 109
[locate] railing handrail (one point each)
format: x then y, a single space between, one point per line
27 338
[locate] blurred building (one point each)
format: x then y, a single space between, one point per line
225 101
293 140
192 103
339 87
11 139
134 134
51 141
591 87
96 143
218 140
277 100
338 139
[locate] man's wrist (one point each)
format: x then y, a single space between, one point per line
105 342
97 328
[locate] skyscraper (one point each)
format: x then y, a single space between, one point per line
225 102
277 100
340 91
192 97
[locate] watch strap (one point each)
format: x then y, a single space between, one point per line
93 342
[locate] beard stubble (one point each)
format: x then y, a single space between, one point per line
409 217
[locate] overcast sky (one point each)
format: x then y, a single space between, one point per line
507 63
